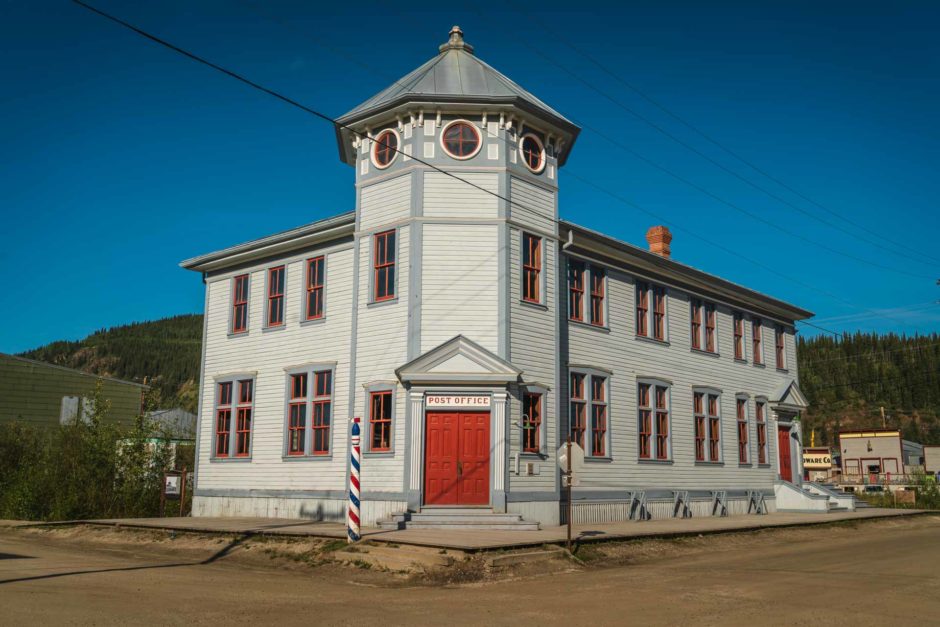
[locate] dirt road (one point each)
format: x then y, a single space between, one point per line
874 573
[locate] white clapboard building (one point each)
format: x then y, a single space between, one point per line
471 329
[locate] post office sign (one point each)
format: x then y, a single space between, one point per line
462 401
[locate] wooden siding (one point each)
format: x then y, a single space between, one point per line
31 392
446 197
532 205
385 203
459 284
630 358
268 352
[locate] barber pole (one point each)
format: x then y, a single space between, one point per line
352 518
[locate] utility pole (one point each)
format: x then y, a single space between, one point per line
883 423
568 478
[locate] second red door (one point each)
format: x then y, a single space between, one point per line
457 458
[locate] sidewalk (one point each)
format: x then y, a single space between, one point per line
471 540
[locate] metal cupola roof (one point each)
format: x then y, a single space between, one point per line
456 76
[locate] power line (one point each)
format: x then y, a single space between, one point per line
361 135
928 377
933 261
806 361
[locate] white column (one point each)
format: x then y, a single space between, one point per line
499 442
417 429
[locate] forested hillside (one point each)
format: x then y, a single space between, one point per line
849 379
166 352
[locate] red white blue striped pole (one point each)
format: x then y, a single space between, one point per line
352 518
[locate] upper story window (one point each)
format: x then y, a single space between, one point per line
743 447
703 326
233 399
383 266
598 290
275 317
707 427
650 322
575 290
532 422
531 268
316 276
780 348
738 336
240 304
653 417
461 139
757 345
385 148
380 421
532 152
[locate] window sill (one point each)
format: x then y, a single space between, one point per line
378 453
532 456
379 303
706 464
651 340
655 462
588 325
740 360
700 351
764 466
534 305
758 365
783 371
238 334
313 321
595 459
306 458
745 465
229 460
274 328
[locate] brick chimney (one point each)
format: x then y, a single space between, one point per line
659 239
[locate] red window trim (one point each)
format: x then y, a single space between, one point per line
598 416
298 404
531 268
701 424
223 407
244 417
384 264
642 309
597 296
757 340
477 142
577 408
645 430
710 323
662 422
712 413
324 403
532 423
743 444
378 423
240 285
780 348
276 281
761 432
697 324
659 313
315 286
526 154
389 148
738 336
576 270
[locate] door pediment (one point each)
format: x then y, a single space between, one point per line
790 396
458 361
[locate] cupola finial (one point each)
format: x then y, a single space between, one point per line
456 42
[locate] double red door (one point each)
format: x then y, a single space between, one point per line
783 448
457 458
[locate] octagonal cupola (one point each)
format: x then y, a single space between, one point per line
467 113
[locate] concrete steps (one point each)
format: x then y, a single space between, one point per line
458 518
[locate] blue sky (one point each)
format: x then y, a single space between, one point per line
121 158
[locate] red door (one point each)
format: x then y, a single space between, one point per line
457 458
783 448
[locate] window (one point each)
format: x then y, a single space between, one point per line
276 296
315 402
385 149
243 415
653 408
297 415
779 348
760 411
707 427
576 291
383 265
743 456
531 268
460 139
756 337
315 278
532 423
598 416
642 309
240 304
598 277
703 335
738 336
659 313
223 418
380 421
577 408
532 152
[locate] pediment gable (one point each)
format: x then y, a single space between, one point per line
458 360
790 395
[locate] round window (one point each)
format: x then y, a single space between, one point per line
532 152
385 148
460 139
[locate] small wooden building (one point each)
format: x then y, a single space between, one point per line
44 394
